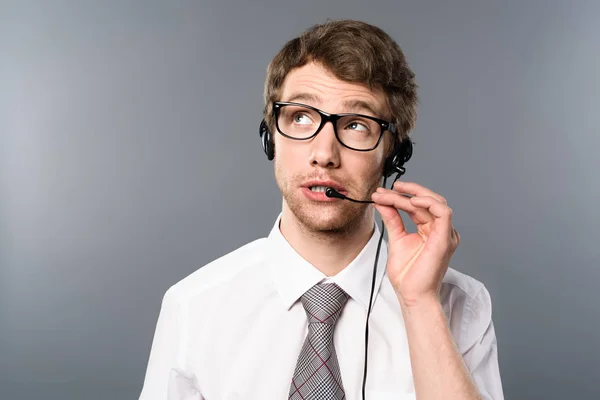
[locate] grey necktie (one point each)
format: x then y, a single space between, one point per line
317 374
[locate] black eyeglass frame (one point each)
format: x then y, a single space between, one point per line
326 117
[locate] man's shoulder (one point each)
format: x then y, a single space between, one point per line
465 299
220 270
468 307
462 284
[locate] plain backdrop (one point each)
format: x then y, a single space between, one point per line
130 157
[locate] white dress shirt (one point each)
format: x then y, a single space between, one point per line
234 328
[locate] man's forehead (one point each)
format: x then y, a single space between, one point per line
315 85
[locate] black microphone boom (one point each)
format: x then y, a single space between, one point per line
331 192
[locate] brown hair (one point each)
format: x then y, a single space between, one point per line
353 51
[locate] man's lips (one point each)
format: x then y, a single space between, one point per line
317 196
320 195
326 183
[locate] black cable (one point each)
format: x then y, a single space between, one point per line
372 291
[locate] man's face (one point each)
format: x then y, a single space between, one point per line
323 158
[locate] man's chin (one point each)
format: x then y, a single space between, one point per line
328 218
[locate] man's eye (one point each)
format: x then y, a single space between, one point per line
301 119
357 126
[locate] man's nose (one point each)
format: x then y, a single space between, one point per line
325 148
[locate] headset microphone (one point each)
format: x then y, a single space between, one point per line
331 192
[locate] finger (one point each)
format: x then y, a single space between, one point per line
392 220
389 197
418 190
442 213
456 237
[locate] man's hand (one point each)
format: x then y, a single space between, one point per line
417 262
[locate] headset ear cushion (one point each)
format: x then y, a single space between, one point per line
407 150
267 144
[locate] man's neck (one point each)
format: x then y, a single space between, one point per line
328 252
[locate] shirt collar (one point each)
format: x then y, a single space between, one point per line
293 275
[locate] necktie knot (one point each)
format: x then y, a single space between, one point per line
323 303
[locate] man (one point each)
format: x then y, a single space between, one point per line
284 316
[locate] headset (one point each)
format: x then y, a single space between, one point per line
394 163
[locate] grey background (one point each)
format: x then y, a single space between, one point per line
129 157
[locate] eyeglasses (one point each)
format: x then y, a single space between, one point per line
354 131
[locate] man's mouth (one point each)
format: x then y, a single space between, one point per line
321 185
318 188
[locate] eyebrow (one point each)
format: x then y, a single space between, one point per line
361 105
302 96
354 105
